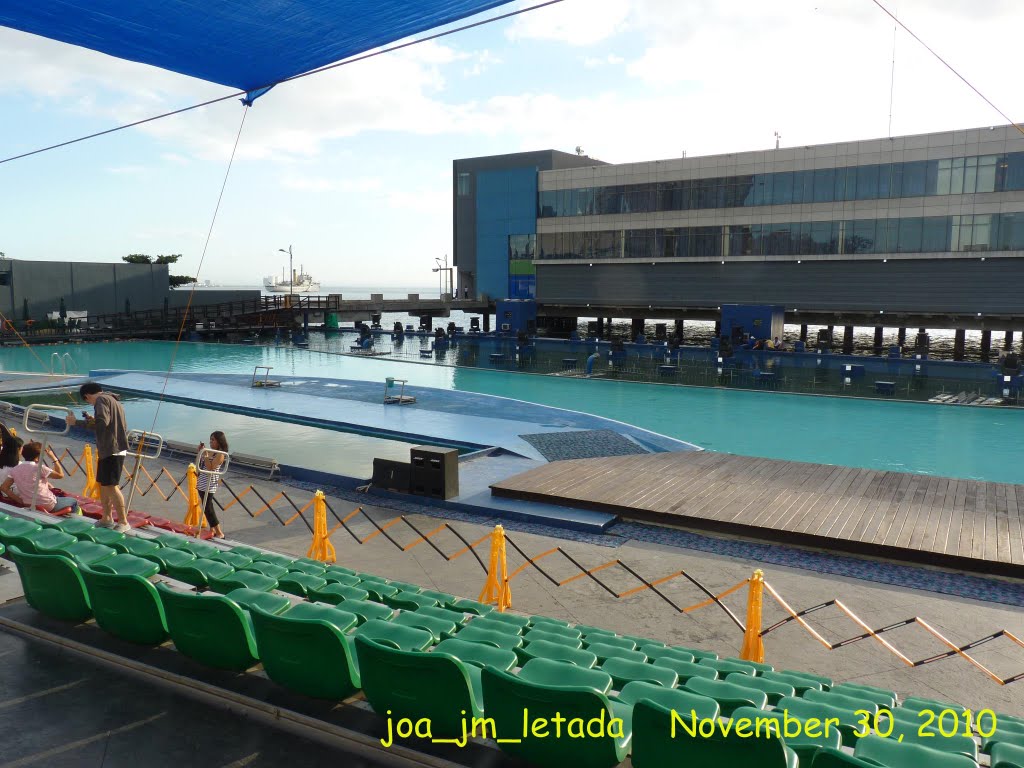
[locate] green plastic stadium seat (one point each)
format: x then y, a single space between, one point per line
1005 734
127 565
478 654
459 619
585 630
536 635
233 580
367 610
309 567
536 621
106 536
341 619
1006 755
624 671
306 655
438 628
806 709
491 622
544 649
687 669
282 561
251 552
267 569
470 606
126 605
917 704
773 688
759 667
407 601
167 557
727 666
14 527
824 682
84 552
405 586
395 635
135 545
435 686
851 703
559 674
509 619
210 628
300 584
265 601
728 695
507 640
805 746
610 641
234 559
911 732
893 754
200 572
347 579
681 701
335 592
881 696
569 633
655 652
800 683
829 757
339 570
74 525
604 652
53 585
657 744
186 544
507 696
443 598
379 591
38 540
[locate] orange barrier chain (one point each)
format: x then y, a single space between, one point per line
953 648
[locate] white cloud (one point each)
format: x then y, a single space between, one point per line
574 23
128 170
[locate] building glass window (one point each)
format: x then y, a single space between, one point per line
986 174
909 236
462 185
935 234
914 176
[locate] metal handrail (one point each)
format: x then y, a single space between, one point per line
45 437
140 438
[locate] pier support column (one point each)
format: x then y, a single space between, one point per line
487 321
1008 340
803 333
680 324
878 339
637 328
847 339
959 342
718 328
901 338
600 327
986 345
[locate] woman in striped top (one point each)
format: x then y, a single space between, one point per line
207 484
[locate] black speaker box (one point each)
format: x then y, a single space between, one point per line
435 472
392 475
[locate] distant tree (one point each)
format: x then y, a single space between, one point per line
175 281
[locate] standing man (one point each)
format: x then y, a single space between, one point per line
111 447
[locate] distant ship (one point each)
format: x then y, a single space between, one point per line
300 283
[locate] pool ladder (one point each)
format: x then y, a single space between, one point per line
64 362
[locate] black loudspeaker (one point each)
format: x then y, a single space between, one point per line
435 472
392 475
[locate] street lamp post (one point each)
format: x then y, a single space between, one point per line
291 269
444 277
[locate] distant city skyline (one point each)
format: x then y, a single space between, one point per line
353 167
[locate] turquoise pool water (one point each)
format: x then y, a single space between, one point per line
977 443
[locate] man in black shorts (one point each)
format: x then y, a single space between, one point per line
111 447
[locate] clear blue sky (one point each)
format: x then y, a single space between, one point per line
353 167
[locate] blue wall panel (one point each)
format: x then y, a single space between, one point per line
506 204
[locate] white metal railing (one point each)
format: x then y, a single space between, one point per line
38 411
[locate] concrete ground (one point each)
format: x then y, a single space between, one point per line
583 601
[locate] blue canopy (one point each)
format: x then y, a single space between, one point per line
240 43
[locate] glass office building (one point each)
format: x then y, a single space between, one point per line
922 225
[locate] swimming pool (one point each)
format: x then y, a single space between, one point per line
975 443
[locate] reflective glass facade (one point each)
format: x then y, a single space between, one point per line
522 274
960 175
931 234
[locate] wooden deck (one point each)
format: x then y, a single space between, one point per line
936 520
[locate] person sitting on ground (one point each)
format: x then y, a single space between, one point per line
22 479
10 451
207 484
